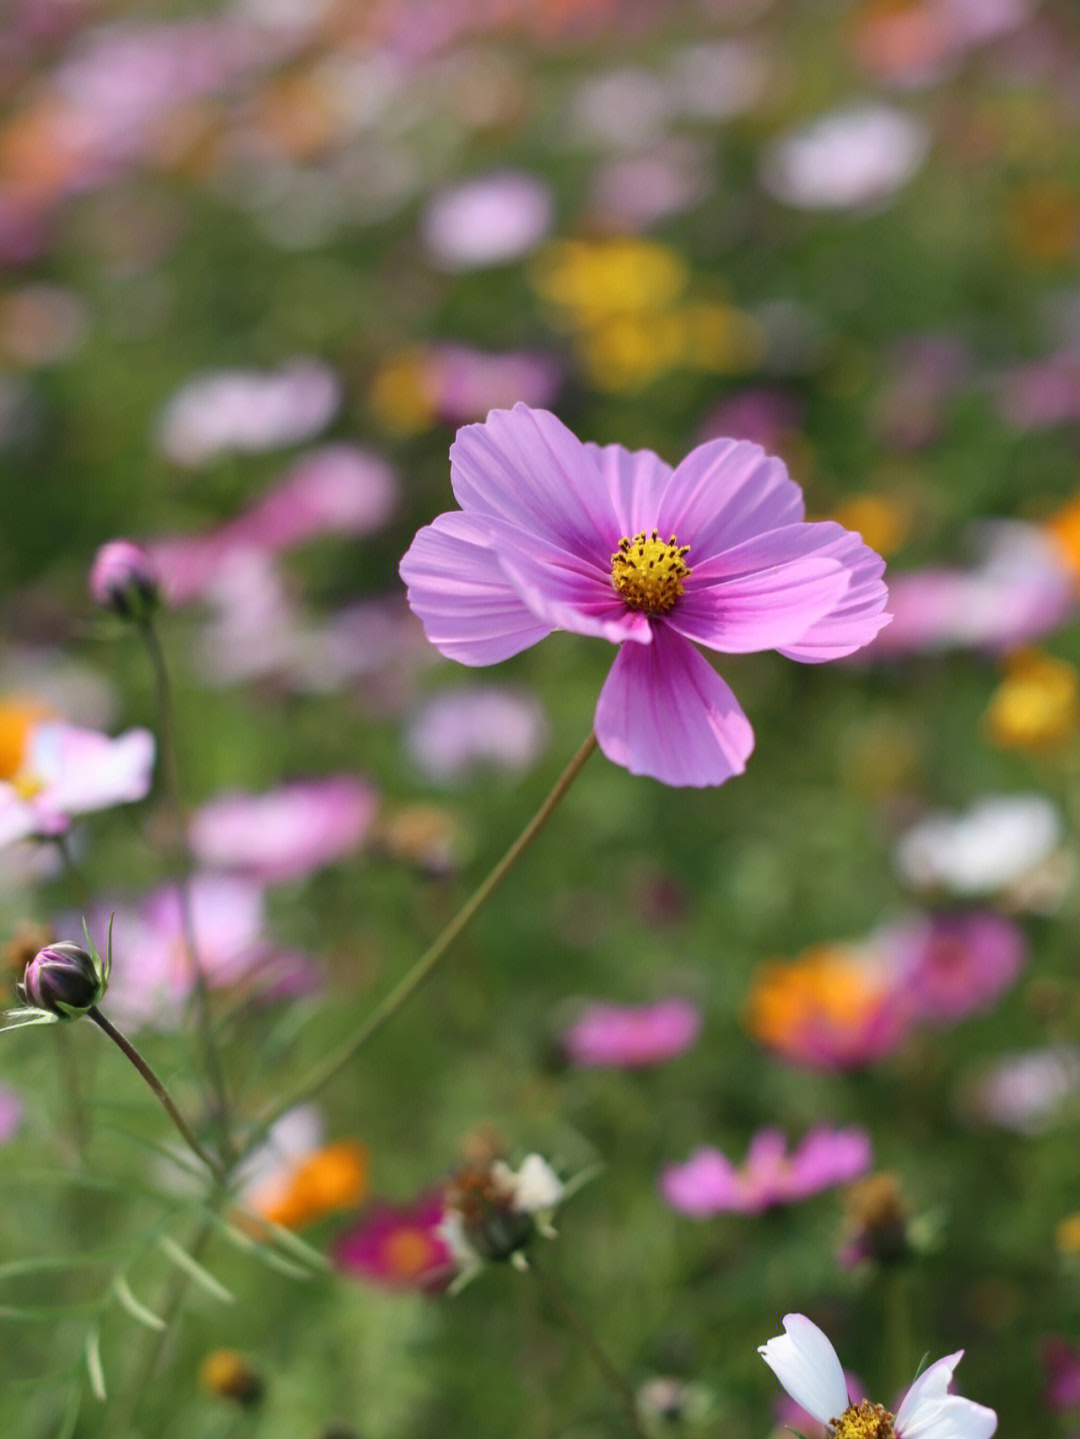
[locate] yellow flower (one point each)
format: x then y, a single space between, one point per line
883 521
1036 704
589 281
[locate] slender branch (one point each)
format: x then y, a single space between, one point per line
618 1385
435 952
182 860
127 1048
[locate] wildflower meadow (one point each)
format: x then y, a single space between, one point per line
539 719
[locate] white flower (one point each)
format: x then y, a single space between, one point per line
852 158
805 1362
996 843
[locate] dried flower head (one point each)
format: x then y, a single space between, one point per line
494 1212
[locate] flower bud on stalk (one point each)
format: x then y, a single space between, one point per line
64 980
124 579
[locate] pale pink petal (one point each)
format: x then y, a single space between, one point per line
665 712
81 769
566 592
18 820
858 616
929 1411
765 592
636 481
469 609
806 1364
525 467
706 1184
930 1387
726 492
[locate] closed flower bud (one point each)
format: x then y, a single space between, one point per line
63 979
124 579
876 1221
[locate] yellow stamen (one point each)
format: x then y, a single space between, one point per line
863 1421
648 572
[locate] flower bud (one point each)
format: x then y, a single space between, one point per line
124 579
876 1222
63 979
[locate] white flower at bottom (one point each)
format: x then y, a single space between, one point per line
805 1362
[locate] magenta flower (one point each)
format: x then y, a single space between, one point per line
555 534
399 1246
286 833
708 1183
629 1037
961 963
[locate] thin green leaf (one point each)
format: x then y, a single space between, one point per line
248 1245
46 1313
288 1240
94 1366
69 1422
183 1260
134 1308
43 1264
22 1018
922 1365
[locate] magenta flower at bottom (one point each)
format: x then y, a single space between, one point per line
556 534
708 1183
399 1246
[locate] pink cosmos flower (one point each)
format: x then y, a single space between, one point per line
556 534
66 771
287 832
1061 1368
960 963
630 1037
708 1183
11 1110
465 728
399 1246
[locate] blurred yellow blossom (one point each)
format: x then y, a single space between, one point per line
1067 1236
1037 702
400 396
883 520
589 281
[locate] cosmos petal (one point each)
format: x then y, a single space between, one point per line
665 712
725 492
636 481
806 1364
859 614
469 609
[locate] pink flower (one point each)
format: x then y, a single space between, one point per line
632 1037
464 728
66 771
286 833
11 1110
1061 1366
554 534
487 221
960 963
336 489
708 1183
399 1246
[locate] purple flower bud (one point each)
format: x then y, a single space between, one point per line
63 979
124 579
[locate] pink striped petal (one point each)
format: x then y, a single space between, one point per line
665 712
636 481
858 616
566 592
525 467
725 492
469 610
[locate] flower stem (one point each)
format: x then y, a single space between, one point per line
554 1296
182 860
435 952
127 1048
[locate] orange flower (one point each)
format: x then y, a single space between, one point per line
332 1179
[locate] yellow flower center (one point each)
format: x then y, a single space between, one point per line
648 572
864 1421
18 720
409 1252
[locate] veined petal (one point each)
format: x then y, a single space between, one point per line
806 1364
929 1411
468 607
636 481
525 467
725 492
665 712
564 591
860 613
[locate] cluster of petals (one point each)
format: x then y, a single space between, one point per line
286 833
623 1036
63 770
399 1246
708 1183
804 1361
530 551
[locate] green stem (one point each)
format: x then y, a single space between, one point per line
79 1123
618 1385
181 857
435 952
127 1048
898 1328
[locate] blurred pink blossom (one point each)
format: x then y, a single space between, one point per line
286 833
464 384
11 1111
708 1183
487 221
476 725
67 771
1061 1367
1041 393
338 489
628 1037
399 1246
1028 1091
959 964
